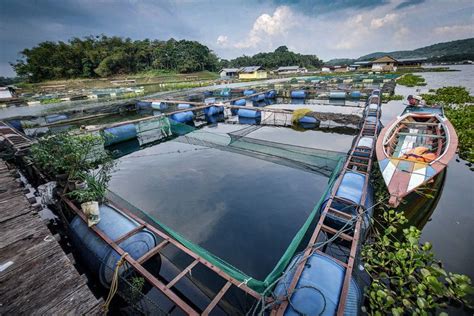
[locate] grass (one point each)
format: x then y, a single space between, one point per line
411 80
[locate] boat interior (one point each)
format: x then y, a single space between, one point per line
417 138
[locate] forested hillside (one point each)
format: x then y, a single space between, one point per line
453 51
459 47
103 56
280 57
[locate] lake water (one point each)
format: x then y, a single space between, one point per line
243 209
451 225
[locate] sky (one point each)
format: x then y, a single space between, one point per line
231 28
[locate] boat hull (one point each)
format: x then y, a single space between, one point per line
403 176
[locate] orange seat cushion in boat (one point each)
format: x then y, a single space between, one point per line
420 154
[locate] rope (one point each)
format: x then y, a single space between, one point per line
114 283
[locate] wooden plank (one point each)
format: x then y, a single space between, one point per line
153 251
182 274
216 299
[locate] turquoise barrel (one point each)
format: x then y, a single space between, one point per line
337 95
248 113
355 94
249 92
183 106
118 134
99 257
56 118
298 94
318 288
225 93
183 117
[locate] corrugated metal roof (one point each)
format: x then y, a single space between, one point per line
288 68
365 62
230 69
250 68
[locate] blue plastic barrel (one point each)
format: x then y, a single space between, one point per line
141 105
183 117
250 120
308 119
355 94
55 118
101 258
248 113
337 95
270 94
114 135
259 97
351 187
159 106
249 92
183 106
298 94
240 102
318 288
212 110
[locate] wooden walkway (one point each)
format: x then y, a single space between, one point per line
36 276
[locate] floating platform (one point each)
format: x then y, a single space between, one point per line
36 276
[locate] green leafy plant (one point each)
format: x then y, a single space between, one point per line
460 113
411 80
406 278
96 184
69 155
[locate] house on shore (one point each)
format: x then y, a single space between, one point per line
252 72
385 63
229 73
388 63
290 70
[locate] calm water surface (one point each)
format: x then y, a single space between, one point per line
243 209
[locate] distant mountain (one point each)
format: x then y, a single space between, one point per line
448 51
339 61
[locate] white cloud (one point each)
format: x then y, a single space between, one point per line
269 26
458 30
388 19
222 40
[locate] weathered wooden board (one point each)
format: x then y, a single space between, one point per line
36 276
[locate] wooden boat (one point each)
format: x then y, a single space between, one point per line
413 149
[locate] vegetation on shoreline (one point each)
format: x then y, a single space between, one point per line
460 112
406 277
280 57
411 80
395 97
102 56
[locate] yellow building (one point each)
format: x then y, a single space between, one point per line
252 72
